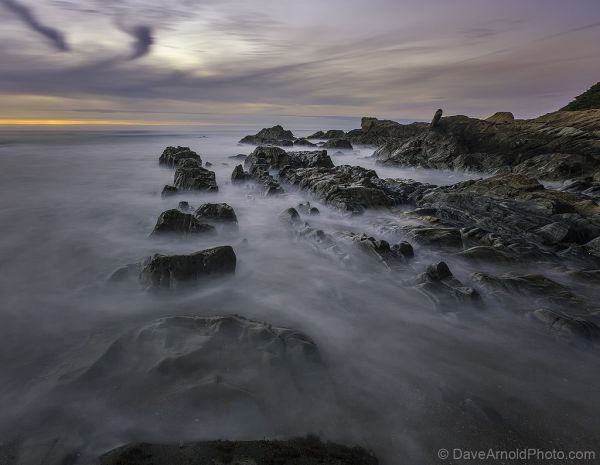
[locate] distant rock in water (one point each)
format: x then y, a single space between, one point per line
331 134
220 212
589 100
275 157
172 271
304 142
275 135
177 222
172 156
338 144
303 451
190 175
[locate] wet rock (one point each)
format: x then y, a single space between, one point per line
317 135
308 451
555 166
208 164
338 144
487 254
440 285
220 212
575 329
239 175
314 211
349 188
172 156
593 247
555 233
183 224
585 185
184 206
274 157
306 209
381 250
304 142
333 134
436 118
436 237
239 156
290 216
168 191
275 135
173 271
189 175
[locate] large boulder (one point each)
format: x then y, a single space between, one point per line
177 222
274 157
172 156
439 284
338 144
219 212
174 271
190 175
275 135
238 175
331 134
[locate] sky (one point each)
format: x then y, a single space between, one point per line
215 61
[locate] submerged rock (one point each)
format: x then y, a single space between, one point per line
303 451
304 142
220 212
173 271
440 285
177 222
575 329
169 191
172 156
189 175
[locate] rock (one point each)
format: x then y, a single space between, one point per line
349 188
184 206
487 254
593 247
308 451
317 135
173 271
273 157
501 117
555 233
436 118
290 216
176 222
314 211
338 144
590 99
304 142
275 135
388 255
220 212
189 175
172 156
208 164
125 274
439 284
331 134
575 329
436 237
555 166
239 156
168 191
239 175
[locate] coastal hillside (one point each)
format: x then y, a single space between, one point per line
590 99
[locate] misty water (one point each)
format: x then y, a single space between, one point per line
400 376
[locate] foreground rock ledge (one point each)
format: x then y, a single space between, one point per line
304 451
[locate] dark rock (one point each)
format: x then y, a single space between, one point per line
317 135
593 247
127 273
184 206
169 191
439 284
208 164
487 254
189 175
436 118
290 215
308 451
239 156
172 156
314 211
274 157
590 99
304 142
275 135
381 250
338 144
501 117
173 271
436 237
239 175
176 222
575 329
216 212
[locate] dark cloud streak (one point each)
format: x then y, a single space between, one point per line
54 36
143 41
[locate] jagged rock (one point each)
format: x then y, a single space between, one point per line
436 118
440 285
184 206
338 144
349 188
380 249
436 237
331 134
501 117
487 254
173 271
304 142
590 99
290 215
168 191
220 212
555 233
306 209
593 247
176 222
275 135
555 166
189 175
239 175
274 157
172 156
308 451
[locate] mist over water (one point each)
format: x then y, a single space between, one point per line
401 376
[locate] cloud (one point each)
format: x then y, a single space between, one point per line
54 36
143 41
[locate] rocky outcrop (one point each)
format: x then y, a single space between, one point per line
274 157
331 134
338 144
349 188
173 271
590 99
217 212
275 135
238 175
169 191
190 175
501 117
179 223
303 451
304 142
439 284
172 156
